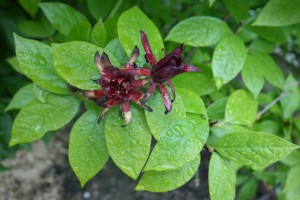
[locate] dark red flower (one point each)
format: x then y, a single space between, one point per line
117 86
162 71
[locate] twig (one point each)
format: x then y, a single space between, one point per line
241 23
267 107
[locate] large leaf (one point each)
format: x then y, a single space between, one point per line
199 31
13 61
37 118
228 59
88 151
74 62
155 118
22 97
254 149
130 24
241 108
252 75
279 13
178 145
222 178
291 99
35 59
128 146
163 181
62 16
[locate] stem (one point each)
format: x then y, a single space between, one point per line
267 107
241 23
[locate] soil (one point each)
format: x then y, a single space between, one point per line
45 174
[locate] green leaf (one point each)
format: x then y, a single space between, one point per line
200 83
262 45
116 49
192 102
88 151
35 59
111 25
98 34
272 34
74 63
248 190
22 97
222 178
241 108
163 181
100 8
216 110
130 23
291 188
228 59
254 149
198 31
252 75
128 146
31 6
290 101
36 118
13 61
80 32
239 9
155 118
62 16
36 29
211 2
40 93
178 145
279 13
292 159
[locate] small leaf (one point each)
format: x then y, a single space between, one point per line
290 101
31 6
35 59
228 59
273 34
87 147
292 184
62 16
178 145
239 9
222 178
241 108
36 118
248 190
279 13
111 26
74 62
80 32
128 146
98 34
116 49
130 23
254 149
22 97
155 118
40 93
198 31
252 74
36 29
13 61
163 181
216 110
262 45
100 8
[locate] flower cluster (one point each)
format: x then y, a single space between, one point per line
120 86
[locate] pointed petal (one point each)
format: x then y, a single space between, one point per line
190 68
166 98
134 55
97 60
105 60
150 56
172 89
102 114
177 52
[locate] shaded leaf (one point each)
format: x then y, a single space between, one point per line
31 6
98 34
100 8
80 32
13 61
22 97
36 29
216 110
291 188
239 9
116 49
248 190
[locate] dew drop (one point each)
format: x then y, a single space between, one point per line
41 59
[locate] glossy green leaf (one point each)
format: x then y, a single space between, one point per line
31 6
241 108
116 49
128 146
37 118
155 118
279 13
228 59
98 34
178 145
62 16
40 93
130 23
35 59
191 101
88 151
292 184
198 31
111 25
216 110
262 45
22 97
222 178
290 101
254 149
248 190
163 181
239 9
36 29
100 8
74 63
252 74
80 32
13 61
